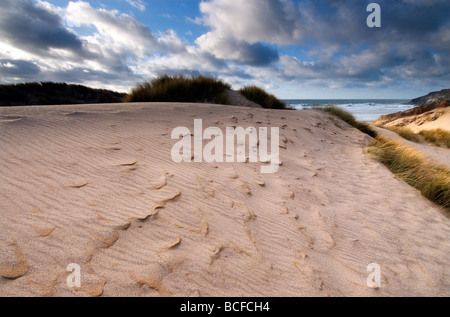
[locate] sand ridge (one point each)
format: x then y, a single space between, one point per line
438 118
95 185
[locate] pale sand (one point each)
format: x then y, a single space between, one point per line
440 155
438 118
95 185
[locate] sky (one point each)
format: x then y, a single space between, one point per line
295 49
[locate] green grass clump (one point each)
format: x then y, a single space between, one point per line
405 133
350 119
180 88
262 98
49 93
439 137
432 180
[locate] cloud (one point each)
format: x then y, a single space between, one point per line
118 30
225 48
11 69
241 30
39 42
138 4
272 43
33 28
344 21
252 21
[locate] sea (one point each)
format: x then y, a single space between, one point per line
365 110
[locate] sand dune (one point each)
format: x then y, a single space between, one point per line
439 155
95 185
438 118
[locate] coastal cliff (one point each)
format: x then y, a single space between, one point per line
433 97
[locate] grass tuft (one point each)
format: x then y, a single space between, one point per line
432 180
439 137
48 93
405 133
350 119
180 88
262 98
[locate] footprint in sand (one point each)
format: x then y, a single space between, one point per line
243 211
15 268
246 188
284 142
153 212
203 229
206 187
93 288
260 180
9 119
44 232
312 275
129 163
216 253
171 245
150 281
109 241
173 197
129 166
161 182
113 146
151 276
78 185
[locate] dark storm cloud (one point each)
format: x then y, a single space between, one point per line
413 42
344 21
418 19
323 41
81 74
10 69
27 26
257 54
227 48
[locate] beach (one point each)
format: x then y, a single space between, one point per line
96 186
365 110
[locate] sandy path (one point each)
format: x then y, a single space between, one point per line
440 155
96 186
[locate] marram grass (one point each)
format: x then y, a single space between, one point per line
180 88
350 119
432 180
439 137
405 133
262 98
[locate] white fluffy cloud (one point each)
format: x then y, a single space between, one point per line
139 4
243 41
252 21
242 29
117 51
120 32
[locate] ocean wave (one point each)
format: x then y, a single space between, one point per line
364 111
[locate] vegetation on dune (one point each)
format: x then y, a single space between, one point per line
432 180
165 88
439 137
180 88
412 112
48 93
405 133
350 119
262 98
